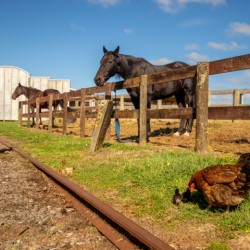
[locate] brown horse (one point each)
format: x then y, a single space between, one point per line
32 93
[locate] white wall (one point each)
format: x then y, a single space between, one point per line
10 77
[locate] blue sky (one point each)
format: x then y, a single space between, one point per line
63 39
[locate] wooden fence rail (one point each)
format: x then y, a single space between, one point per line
202 113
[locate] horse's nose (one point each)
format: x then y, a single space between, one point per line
98 80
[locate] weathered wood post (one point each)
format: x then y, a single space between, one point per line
28 114
37 111
236 97
105 109
50 113
159 104
65 112
82 112
20 114
143 111
108 97
122 102
202 107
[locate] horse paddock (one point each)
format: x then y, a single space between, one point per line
225 137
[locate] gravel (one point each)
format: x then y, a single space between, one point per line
33 215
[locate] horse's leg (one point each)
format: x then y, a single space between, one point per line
190 93
32 109
191 103
180 99
55 105
40 110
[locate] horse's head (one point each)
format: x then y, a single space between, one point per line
18 91
109 66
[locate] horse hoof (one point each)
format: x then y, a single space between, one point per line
186 134
177 133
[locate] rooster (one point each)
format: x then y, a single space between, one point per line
223 185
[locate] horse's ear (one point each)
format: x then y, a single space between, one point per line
104 50
19 84
116 51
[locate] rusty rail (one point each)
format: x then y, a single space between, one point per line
133 229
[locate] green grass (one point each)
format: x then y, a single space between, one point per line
217 246
141 178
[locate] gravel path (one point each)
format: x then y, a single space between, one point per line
34 216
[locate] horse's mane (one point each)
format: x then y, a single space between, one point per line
32 88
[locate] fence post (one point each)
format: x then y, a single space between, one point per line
20 114
108 97
159 104
82 112
122 102
202 107
50 113
143 110
28 114
37 111
65 113
236 97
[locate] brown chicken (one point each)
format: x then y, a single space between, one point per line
223 185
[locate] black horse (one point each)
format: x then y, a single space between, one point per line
32 93
126 66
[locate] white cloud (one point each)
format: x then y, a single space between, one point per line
77 27
128 31
105 3
226 46
247 73
238 79
194 57
160 61
192 46
239 28
172 6
193 23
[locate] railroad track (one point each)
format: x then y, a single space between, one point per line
118 229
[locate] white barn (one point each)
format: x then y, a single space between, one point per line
10 76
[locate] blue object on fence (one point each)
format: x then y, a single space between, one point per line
117 129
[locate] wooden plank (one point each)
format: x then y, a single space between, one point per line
229 113
229 91
177 113
201 140
143 111
172 75
229 64
126 114
102 123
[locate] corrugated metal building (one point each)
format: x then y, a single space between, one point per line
10 77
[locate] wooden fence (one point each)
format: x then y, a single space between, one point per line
123 102
201 71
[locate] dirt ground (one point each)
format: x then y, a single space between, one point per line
33 215
224 137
